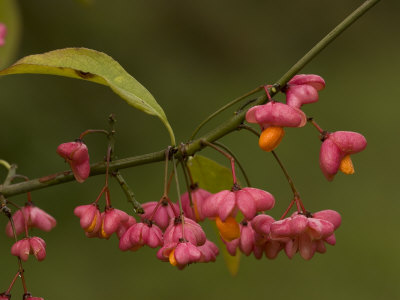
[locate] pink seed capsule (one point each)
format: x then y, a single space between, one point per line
28 296
4 296
141 234
248 200
33 216
336 150
303 89
190 231
276 114
272 117
77 155
111 220
306 234
26 246
90 218
161 213
180 254
194 209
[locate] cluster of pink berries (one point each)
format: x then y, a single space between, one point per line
30 216
178 234
23 219
273 116
181 239
239 213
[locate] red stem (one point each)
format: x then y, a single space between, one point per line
287 210
105 187
12 283
230 157
298 206
320 130
21 270
28 194
21 273
266 87
169 183
108 202
301 205
177 214
83 134
108 165
101 193
26 224
156 208
233 171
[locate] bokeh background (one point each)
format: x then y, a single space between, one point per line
195 56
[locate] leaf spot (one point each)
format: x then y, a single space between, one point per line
84 75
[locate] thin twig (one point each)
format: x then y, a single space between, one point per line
89 131
227 155
236 160
223 108
188 184
289 179
130 195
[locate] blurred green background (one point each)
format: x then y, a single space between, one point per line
195 56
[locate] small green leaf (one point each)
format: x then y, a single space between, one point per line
91 65
210 175
9 15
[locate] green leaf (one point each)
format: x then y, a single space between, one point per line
9 15
91 65
210 175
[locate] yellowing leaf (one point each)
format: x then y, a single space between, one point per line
232 262
91 65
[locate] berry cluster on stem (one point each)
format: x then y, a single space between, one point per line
239 213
